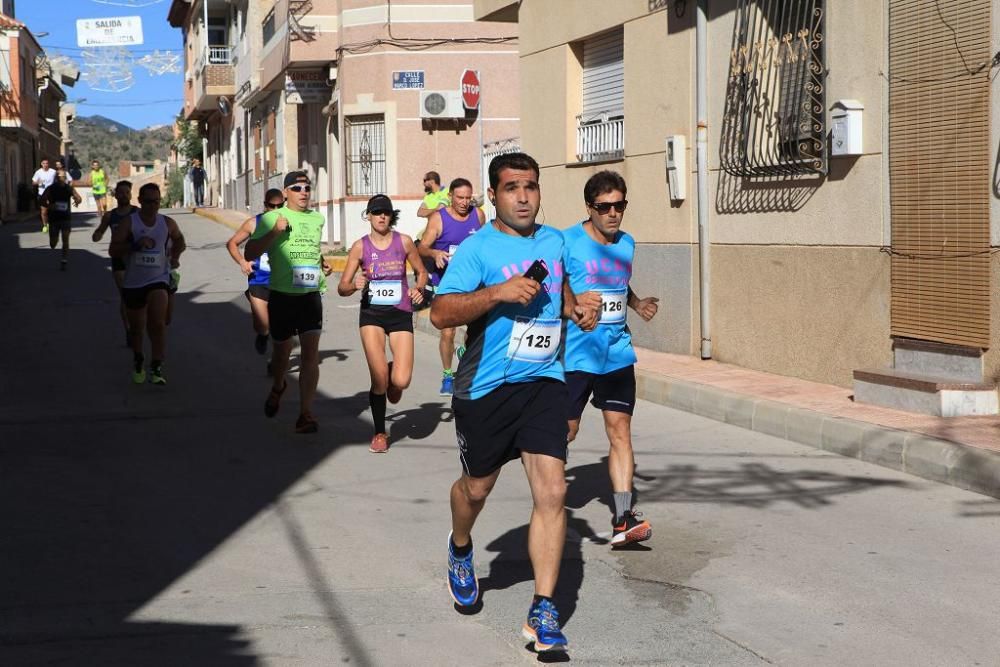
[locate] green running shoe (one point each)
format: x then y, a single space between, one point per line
156 375
175 279
139 375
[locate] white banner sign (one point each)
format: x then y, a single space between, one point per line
306 87
113 31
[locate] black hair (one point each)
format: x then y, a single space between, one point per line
459 183
273 192
147 187
125 183
510 161
602 183
433 176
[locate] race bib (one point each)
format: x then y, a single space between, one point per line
148 259
61 206
264 263
385 292
305 276
451 250
534 340
613 306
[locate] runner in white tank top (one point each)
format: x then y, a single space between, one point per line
150 245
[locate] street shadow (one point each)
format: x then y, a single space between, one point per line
979 508
755 485
512 566
116 492
418 423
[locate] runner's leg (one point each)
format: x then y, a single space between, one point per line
468 497
373 342
621 462
258 311
308 369
156 323
547 530
446 347
401 345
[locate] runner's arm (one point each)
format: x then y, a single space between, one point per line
431 234
178 244
416 262
256 247
121 240
647 308
456 309
233 244
347 286
76 197
101 228
582 311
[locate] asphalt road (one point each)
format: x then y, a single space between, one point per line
176 525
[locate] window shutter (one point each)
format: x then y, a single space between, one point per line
604 75
256 153
939 170
272 142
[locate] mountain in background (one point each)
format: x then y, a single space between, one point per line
100 138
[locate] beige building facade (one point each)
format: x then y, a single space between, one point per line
340 88
801 239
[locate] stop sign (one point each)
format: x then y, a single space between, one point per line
470 89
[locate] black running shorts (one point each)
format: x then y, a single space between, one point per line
262 292
136 297
389 318
614 391
291 314
513 418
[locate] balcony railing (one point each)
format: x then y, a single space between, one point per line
600 140
220 55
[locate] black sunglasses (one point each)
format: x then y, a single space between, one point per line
269 205
605 206
300 188
381 211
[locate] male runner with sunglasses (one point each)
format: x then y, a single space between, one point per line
598 258
291 236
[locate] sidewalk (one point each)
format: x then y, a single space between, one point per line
961 451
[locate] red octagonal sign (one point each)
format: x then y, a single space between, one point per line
470 89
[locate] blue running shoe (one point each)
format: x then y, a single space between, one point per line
542 627
462 582
447 385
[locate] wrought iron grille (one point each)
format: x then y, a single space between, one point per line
774 123
365 154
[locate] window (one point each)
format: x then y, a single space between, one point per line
258 169
272 144
365 154
774 118
601 125
268 27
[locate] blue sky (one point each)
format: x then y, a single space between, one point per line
153 100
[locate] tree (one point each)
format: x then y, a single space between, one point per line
189 142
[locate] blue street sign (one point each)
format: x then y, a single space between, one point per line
408 79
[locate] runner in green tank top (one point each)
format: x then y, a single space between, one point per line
99 186
291 236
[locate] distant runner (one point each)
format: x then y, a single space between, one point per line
122 212
258 272
59 198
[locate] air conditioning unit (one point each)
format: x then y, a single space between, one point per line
441 104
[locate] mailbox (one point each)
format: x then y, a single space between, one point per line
846 135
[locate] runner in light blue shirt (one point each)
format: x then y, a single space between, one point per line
598 259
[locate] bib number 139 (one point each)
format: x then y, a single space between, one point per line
305 276
534 340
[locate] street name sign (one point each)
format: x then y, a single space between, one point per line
112 31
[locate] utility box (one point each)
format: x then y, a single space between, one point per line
846 135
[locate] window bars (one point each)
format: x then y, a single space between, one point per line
774 118
365 154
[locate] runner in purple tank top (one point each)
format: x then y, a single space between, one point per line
386 307
446 229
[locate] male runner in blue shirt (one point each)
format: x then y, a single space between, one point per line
507 284
598 259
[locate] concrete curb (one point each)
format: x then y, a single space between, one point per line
921 455
925 456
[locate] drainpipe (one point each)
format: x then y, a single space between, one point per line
701 110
